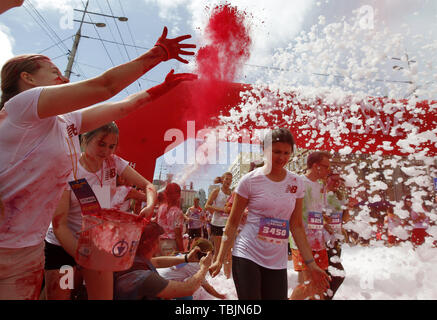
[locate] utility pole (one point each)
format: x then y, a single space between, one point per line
75 45
78 35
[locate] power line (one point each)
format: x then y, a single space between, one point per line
43 26
100 38
121 37
110 29
62 55
43 20
102 69
128 27
55 44
118 29
114 42
103 44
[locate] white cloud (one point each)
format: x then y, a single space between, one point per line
6 43
57 4
273 24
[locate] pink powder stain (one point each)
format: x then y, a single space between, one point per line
109 240
29 287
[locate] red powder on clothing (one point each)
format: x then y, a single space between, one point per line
29 286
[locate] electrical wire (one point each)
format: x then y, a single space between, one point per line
128 27
121 37
110 30
54 45
43 26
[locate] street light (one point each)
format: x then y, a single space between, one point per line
409 62
124 19
399 68
78 35
97 24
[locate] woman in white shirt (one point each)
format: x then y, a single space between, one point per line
99 166
171 218
216 205
38 129
273 197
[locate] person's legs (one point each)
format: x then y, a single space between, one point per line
53 289
56 258
216 240
247 279
304 290
274 284
99 284
216 234
299 277
21 272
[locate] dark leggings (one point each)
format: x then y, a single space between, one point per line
336 281
254 282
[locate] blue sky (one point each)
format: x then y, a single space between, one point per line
201 175
45 26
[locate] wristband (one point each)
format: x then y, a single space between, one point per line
186 257
307 262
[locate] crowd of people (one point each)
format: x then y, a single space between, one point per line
51 140
41 118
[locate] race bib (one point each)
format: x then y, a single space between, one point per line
315 220
336 218
336 221
87 199
273 230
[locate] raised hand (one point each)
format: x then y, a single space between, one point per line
173 47
171 80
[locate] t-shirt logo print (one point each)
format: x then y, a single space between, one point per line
72 130
120 248
291 189
109 174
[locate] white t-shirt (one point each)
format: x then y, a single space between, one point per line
312 214
117 200
219 219
267 199
334 210
111 167
170 219
180 272
196 214
35 163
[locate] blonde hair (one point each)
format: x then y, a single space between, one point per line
220 179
